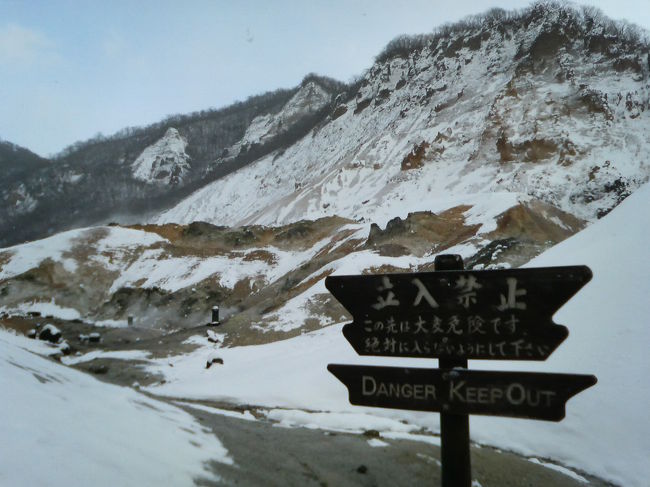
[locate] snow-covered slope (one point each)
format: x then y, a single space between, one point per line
112 245
605 432
169 276
549 106
62 427
165 161
105 273
310 98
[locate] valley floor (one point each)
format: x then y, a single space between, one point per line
265 446
267 453
279 406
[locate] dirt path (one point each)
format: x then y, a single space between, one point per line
267 454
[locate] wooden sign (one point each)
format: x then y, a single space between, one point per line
461 391
495 315
455 315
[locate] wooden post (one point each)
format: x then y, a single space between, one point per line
454 428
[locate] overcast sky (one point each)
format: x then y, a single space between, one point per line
72 68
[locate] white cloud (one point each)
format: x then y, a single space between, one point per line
22 47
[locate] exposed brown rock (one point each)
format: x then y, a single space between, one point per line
339 111
601 44
533 150
504 147
415 158
170 231
547 44
421 232
596 102
536 221
362 105
384 94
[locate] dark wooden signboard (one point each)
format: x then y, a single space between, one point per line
461 391
455 315
495 315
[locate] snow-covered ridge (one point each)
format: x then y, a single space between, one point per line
165 161
110 244
169 275
309 99
97 273
568 126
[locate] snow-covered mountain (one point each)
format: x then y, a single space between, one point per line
169 276
164 161
310 99
140 171
549 104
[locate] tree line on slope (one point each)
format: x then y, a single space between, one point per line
592 20
92 181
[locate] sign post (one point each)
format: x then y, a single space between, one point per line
454 428
455 315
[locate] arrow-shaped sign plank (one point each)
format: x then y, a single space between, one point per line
460 391
496 315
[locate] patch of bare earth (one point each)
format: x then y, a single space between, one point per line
422 233
525 231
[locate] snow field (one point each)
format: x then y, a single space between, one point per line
605 432
62 427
